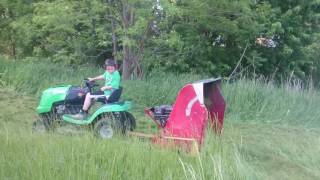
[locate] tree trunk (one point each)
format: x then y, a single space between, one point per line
13 48
114 39
127 64
127 18
113 29
132 54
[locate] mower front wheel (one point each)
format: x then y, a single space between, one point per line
48 120
38 126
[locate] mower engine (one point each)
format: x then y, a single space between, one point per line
161 114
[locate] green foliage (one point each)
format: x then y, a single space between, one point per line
64 31
206 37
294 22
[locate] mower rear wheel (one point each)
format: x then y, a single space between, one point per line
107 126
128 122
103 129
114 123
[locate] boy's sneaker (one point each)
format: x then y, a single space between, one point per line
80 116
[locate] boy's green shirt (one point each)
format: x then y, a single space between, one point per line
112 80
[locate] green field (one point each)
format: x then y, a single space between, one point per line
270 132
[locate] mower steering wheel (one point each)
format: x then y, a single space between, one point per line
89 84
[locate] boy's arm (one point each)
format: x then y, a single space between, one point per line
96 78
115 83
105 88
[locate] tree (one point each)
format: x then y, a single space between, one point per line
206 37
294 24
198 36
11 13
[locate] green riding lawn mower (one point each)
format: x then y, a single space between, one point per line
58 103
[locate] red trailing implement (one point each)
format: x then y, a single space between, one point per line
184 123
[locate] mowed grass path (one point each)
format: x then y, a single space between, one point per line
243 151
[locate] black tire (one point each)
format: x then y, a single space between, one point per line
47 119
38 126
107 126
114 123
128 121
50 121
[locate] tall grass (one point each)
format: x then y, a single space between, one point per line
52 156
270 132
34 77
256 100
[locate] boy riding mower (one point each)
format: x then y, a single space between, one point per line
58 102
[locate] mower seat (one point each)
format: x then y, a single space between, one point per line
114 97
